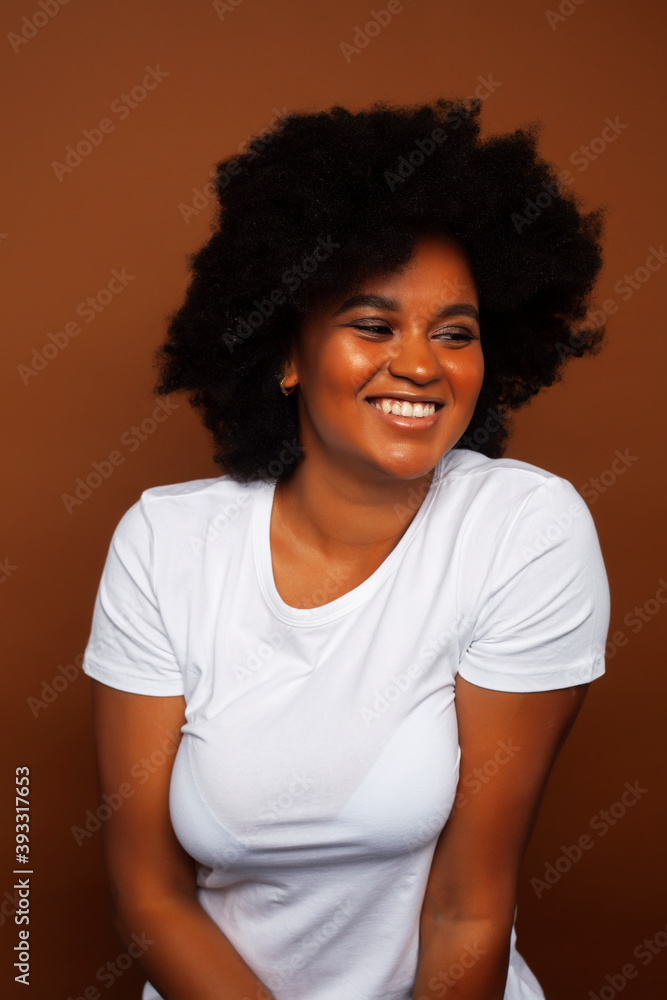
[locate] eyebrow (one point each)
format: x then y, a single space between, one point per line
382 302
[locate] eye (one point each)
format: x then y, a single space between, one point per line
372 329
460 332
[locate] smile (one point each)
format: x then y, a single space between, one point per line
412 412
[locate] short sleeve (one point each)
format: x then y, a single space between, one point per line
128 647
543 622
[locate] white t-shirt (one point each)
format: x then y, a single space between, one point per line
320 757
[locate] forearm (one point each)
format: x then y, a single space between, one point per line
185 955
464 959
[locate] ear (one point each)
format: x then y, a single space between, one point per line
289 372
287 380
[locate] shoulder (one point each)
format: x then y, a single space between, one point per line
499 482
198 497
195 492
187 509
472 467
490 499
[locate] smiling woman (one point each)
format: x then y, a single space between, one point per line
380 624
406 340
388 383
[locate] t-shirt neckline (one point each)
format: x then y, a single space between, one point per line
261 517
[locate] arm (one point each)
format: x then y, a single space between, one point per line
152 877
470 896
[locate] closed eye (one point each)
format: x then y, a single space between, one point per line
372 329
461 333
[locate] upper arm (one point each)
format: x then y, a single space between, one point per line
509 742
136 739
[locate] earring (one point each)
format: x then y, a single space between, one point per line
288 392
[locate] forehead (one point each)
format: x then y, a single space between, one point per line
437 273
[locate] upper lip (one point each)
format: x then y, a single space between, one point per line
407 396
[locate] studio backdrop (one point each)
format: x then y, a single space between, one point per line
113 117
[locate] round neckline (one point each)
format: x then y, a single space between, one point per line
261 531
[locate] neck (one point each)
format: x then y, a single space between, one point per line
330 508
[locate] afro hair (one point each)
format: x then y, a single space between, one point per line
366 185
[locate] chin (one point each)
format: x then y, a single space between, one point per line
409 466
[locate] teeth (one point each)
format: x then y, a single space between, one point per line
402 408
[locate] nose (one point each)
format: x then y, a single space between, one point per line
414 358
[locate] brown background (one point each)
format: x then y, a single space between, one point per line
119 208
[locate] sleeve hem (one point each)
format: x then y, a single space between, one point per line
541 680
132 683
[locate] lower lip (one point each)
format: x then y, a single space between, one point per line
408 423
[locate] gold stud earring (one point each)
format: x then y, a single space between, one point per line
288 392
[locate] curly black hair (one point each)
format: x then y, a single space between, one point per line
327 199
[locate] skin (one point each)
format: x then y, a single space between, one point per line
338 512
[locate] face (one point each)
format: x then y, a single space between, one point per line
388 379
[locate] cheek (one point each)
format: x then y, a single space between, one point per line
365 363
346 371
466 371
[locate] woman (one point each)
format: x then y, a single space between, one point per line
369 637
